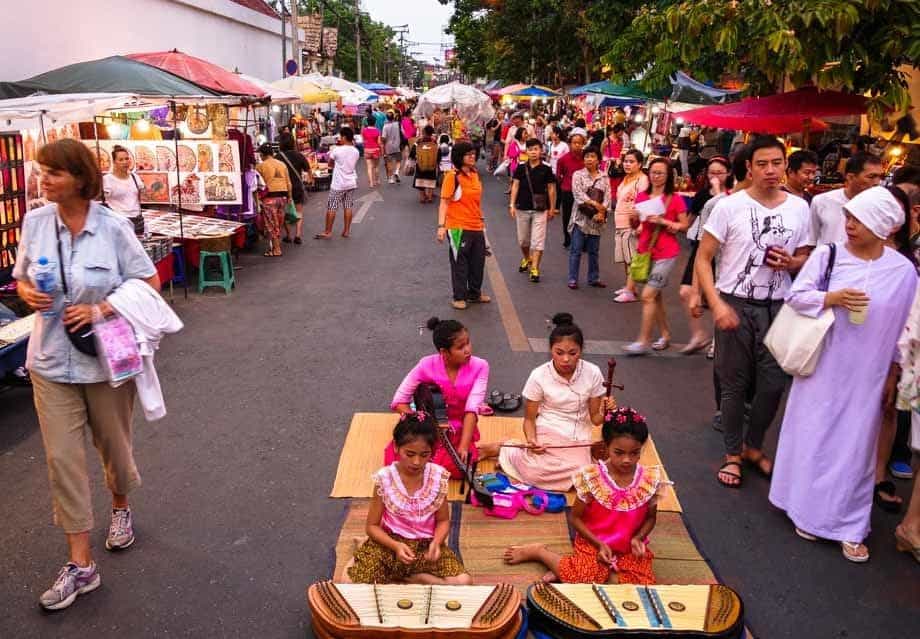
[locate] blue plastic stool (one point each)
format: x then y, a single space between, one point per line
227 280
178 252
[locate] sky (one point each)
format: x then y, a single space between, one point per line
426 20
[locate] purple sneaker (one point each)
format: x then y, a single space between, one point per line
71 582
121 530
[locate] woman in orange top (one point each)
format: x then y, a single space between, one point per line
460 220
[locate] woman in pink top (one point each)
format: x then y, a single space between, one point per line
624 236
370 136
667 216
409 132
463 380
408 519
615 511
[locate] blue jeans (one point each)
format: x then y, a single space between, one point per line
579 241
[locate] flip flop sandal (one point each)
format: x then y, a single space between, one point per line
886 487
849 552
661 344
807 536
510 403
555 502
495 398
722 471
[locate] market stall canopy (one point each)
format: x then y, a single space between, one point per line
309 92
115 74
630 90
201 72
471 103
57 110
779 113
379 88
406 92
535 91
686 89
511 88
277 95
337 84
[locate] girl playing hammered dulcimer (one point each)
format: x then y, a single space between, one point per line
409 518
613 515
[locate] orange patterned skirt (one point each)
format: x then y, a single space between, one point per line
583 567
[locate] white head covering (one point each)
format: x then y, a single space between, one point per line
878 210
578 131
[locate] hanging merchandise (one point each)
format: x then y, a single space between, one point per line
330 41
312 26
12 197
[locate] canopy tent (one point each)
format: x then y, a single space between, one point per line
308 92
406 92
779 113
201 72
277 95
379 88
352 93
471 103
535 91
57 110
630 90
494 85
508 90
686 89
115 74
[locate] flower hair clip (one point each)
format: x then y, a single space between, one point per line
420 415
623 413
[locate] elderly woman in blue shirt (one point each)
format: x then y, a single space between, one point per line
97 250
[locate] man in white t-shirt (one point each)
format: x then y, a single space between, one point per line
760 235
344 158
828 221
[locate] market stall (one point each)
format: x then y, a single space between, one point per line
470 103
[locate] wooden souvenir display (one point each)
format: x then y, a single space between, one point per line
12 197
583 611
395 611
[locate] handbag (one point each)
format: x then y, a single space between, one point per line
615 170
796 340
641 265
290 213
540 201
81 341
595 194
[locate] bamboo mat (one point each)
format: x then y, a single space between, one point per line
370 433
482 540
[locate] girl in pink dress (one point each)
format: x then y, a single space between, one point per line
408 519
615 511
463 380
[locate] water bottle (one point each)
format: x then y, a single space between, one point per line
45 277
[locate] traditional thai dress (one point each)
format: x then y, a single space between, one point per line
463 395
825 459
563 419
613 514
410 519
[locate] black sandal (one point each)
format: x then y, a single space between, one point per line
510 403
756 464
722 471
887 488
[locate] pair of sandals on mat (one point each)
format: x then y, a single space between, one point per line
510 498
501 402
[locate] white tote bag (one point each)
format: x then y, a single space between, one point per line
796 340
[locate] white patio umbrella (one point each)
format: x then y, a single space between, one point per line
471 103
343 87
277 94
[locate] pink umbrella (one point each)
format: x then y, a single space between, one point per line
199 71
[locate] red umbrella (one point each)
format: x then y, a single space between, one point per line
779 113
199 71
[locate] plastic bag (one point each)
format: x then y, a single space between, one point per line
117 348
502 169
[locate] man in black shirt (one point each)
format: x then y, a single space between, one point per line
533 201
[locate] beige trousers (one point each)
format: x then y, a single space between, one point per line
64 412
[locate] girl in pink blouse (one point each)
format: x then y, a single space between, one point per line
463 380
408 519
615 511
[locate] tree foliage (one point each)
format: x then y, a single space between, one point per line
856 45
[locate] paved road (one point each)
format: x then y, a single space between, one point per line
233 520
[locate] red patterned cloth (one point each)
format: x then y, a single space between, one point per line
583 567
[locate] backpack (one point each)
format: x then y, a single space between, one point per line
426 156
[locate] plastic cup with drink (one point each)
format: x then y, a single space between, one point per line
858 316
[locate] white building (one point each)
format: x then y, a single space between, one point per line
40 36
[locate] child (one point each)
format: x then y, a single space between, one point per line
613 515
409 519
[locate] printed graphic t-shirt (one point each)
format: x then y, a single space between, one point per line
745 229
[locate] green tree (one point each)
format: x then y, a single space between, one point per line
857 45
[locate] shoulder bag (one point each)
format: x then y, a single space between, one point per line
540 201
641 265
82 340
594 194
796 340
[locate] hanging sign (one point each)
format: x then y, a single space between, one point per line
330 41
312 26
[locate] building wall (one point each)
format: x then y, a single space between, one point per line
40 36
